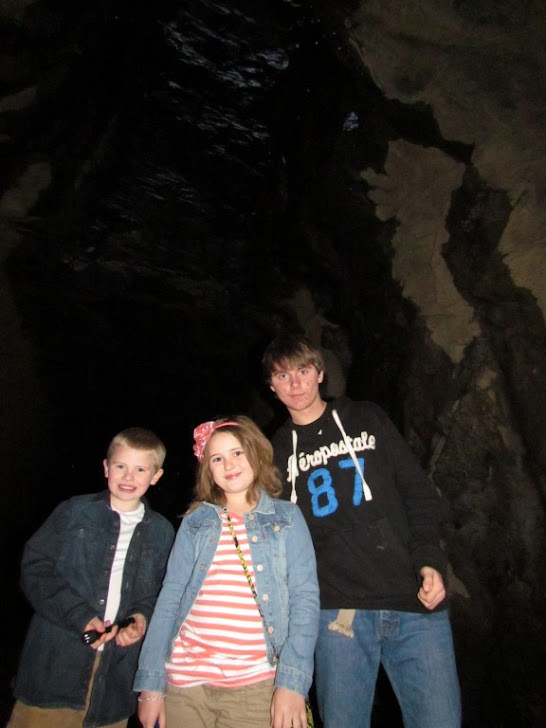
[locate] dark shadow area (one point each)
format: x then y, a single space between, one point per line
202 165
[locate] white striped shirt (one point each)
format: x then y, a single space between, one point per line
221 641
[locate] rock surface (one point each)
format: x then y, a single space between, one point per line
182 181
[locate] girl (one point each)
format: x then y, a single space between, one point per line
231 640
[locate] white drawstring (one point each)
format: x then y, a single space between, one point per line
294 467
365 487
294 472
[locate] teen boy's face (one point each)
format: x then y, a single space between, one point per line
130 473
298 389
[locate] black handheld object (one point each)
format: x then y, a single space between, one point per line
92 636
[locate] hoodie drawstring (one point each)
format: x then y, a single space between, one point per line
294 472
365 487
293 467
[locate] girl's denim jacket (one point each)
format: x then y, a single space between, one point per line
286 583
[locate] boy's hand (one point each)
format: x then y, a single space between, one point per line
432 590
133 633
97 624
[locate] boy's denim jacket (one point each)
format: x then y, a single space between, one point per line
286 583
65 576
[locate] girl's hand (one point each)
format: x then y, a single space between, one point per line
151 710
288 709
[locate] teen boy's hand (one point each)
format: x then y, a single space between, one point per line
132 633
432 590
97 624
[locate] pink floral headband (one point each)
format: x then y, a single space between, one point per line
204 432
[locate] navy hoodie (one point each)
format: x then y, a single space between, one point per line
371 510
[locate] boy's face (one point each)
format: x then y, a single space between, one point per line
130 472
298 389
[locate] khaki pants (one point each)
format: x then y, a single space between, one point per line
208 707
30 716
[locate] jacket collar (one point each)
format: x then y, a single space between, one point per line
265 504
104 495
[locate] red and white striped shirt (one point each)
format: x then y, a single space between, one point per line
221 641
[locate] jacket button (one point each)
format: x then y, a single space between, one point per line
277 527
270 630
251 517
254 539
260 567
265 597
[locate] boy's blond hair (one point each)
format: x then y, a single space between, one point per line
259 453
139 438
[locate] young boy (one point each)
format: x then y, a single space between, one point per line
98 559
372 513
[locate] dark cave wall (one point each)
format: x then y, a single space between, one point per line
439 189
396 218
476 414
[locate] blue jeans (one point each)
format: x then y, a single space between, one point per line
417 653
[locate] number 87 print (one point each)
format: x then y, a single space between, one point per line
319 484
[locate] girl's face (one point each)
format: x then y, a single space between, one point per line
228 464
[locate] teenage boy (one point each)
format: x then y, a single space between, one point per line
373 516
97 560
